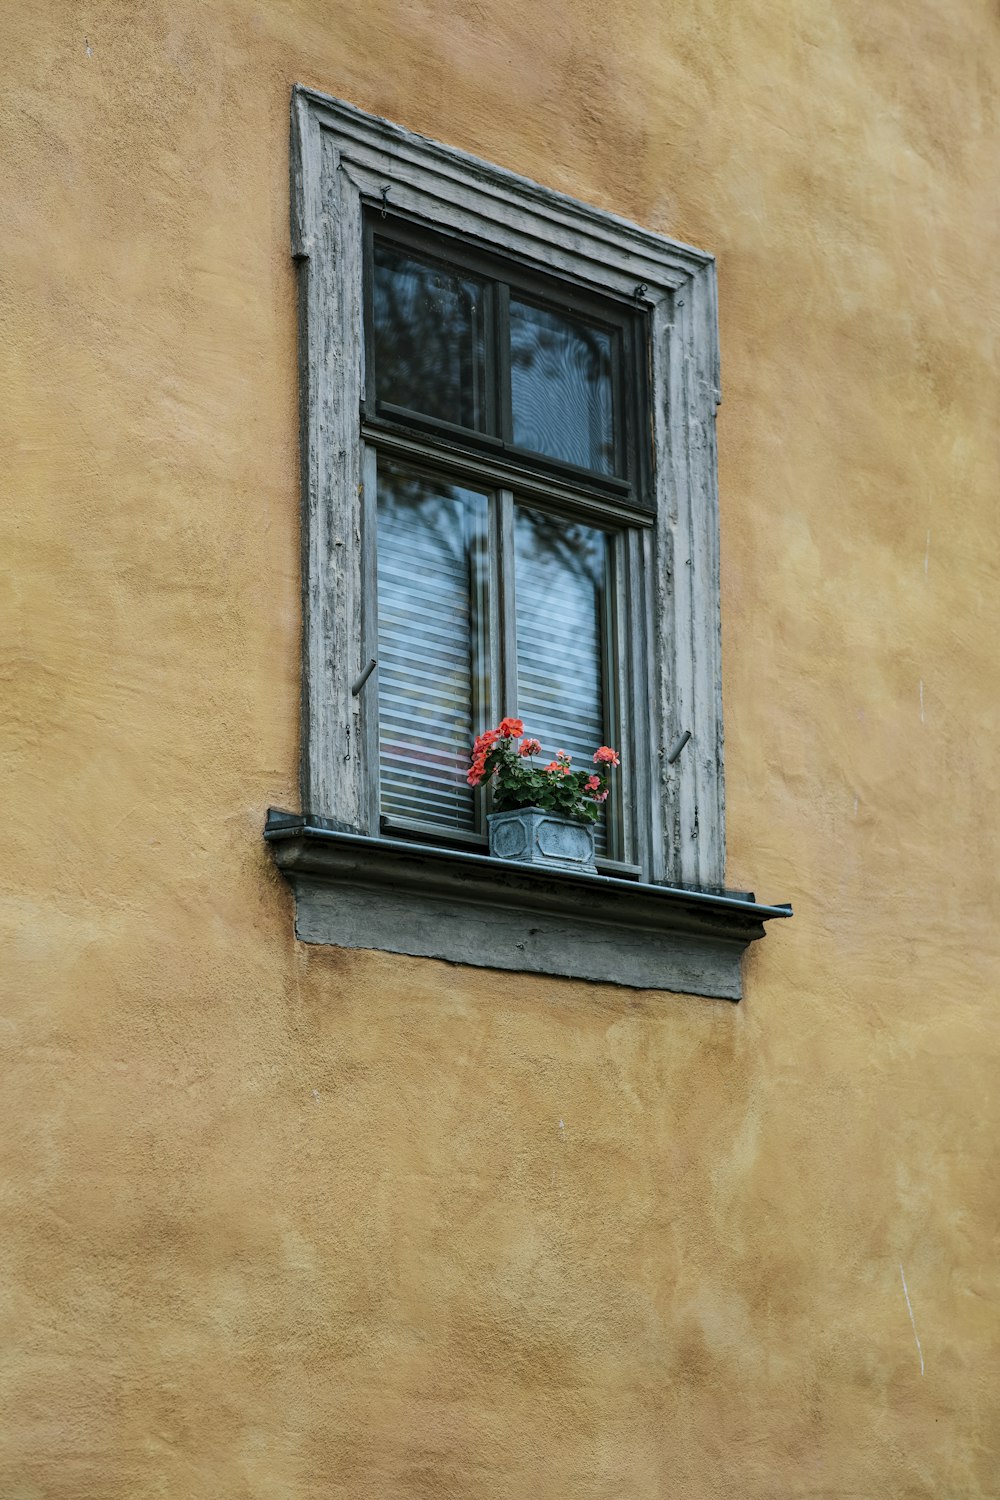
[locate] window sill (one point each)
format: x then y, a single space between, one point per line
353 891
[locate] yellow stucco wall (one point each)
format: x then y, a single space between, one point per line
287 1224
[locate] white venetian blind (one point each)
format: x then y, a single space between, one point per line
432 571
561 578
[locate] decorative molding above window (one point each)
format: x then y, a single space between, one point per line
544 426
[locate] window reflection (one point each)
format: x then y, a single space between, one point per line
561 581
561 387
429 338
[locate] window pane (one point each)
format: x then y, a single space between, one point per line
429 338
560 371
561 582
432 619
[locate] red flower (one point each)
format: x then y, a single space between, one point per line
558 766
601 796
592 784
510 729
478 768
529 747
605 756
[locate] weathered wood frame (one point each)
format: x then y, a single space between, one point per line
342 160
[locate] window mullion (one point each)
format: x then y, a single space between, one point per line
484 623
507 640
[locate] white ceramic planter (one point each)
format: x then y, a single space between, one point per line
532 836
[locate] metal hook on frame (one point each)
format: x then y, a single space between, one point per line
360 682
640 291
678 745
385 199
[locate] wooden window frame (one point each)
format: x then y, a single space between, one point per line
345 162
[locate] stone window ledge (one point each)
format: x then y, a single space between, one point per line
354 891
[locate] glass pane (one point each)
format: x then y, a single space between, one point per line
429 338
560 372
432 624
561 582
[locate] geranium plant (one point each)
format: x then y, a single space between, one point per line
505 758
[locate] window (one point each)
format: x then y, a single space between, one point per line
504 422
508 443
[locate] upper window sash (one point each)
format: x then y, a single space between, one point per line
503 408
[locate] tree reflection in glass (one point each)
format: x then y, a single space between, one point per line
429 338
561 387
561 579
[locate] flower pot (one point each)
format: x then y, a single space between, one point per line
532 836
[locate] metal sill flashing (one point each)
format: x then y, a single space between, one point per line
354 891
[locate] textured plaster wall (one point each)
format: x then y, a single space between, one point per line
286 1224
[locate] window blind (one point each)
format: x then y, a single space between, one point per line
432 617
